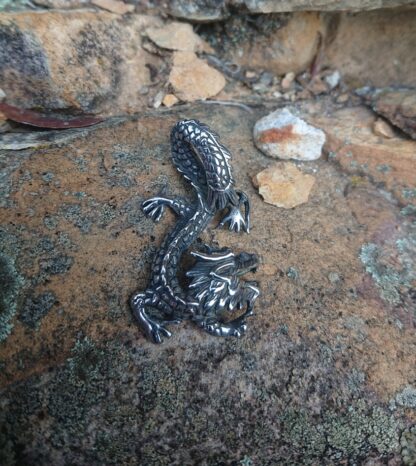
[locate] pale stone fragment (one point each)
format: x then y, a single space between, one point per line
114 6
283 185
169 100
193 79
177 36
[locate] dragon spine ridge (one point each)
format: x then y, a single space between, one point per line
215 284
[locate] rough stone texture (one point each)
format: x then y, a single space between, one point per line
78 60
310 383
170 100
368 48
382 128
193 79
374 48
214 10
283 185
352 143
272 6
114 6
397 105
290 49
198 10
176 36
282 135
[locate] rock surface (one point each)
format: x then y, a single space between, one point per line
214 10
350 140
114 6
193 79
98 66
283 185
169 100
332 342
397 105
271 6
290 48
176 36
357 44
283 135
382 128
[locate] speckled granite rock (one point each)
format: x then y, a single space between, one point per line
332 342
79 60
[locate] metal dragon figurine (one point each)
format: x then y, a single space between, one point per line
215 288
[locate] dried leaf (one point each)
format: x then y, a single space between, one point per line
29 117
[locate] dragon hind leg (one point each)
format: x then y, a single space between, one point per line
153 329
235 328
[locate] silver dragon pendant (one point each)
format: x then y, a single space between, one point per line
215 288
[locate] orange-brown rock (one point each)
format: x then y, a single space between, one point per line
169 100
290 49
193 79
177 36
374 47
312 382
351 142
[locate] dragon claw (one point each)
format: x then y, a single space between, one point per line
157 331
236 221
153 209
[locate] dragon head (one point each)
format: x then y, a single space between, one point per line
215 281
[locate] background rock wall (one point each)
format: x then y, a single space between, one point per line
94 61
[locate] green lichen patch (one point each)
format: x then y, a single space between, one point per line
56 265
408 446
36 307
407 397
392 269
360 429
10 284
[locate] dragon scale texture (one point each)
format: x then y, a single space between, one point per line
215 286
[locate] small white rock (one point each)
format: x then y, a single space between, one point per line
333 79
288 80
283 135
2 95
158 99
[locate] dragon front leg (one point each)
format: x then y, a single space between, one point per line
155 207
235 218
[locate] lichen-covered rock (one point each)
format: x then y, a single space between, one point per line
81 385
282 135
77 60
